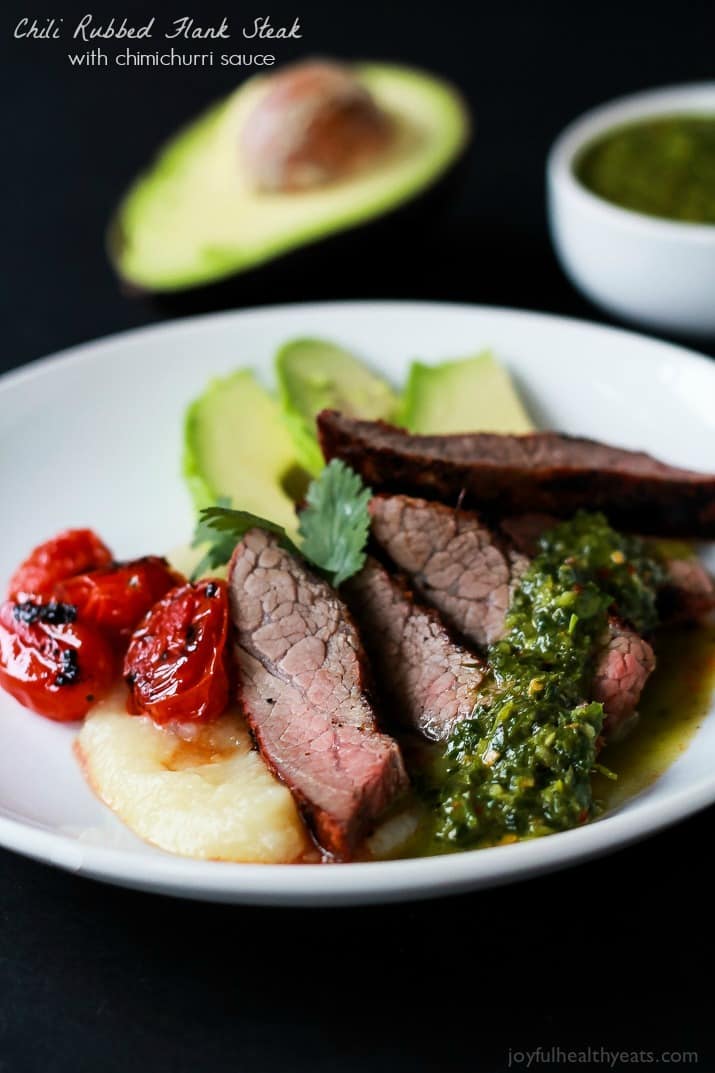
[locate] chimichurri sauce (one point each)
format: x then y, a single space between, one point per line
673 706
522 765
663 166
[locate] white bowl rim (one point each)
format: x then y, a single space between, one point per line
663 100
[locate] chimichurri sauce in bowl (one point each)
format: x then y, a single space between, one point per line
661 166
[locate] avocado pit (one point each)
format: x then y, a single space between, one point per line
316 124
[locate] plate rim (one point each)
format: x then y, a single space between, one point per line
86 350
357 882
361 882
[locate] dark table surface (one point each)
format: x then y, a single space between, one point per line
615 954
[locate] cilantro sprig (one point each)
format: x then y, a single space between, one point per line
333 526
336 521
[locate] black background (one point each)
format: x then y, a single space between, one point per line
617 953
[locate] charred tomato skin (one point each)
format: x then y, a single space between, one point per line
116 597
176 665
73 551
52 663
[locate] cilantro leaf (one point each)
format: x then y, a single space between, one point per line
222 528
334 526
336 522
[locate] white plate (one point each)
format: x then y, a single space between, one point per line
93 437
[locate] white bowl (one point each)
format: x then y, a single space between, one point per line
645 269
117 468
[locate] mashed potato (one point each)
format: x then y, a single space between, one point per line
207 794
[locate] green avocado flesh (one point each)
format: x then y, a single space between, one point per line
237 447
194 217
314 375
243 445
469 395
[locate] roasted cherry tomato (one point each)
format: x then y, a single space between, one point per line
71 552
177 662
117 597
52 663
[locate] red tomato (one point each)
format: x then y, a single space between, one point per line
52 663
70 552
177 662
117 597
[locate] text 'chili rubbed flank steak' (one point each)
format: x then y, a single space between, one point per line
428 681
539 471
457 564
302 686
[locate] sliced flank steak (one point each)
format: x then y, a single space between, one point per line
453 560
428 681
302 686
689 591
623 666
459 566
537 472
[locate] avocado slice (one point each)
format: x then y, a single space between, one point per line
195 217
237 447
315 375
468 395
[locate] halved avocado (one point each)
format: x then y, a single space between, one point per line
196 217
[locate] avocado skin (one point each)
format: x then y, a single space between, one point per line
363 260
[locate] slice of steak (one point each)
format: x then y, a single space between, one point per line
426 679
457 564
453 560
689 591
540 471
623 667
302 686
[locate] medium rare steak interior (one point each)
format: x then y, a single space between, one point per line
302 686
623 666
453 560
427 679
540 471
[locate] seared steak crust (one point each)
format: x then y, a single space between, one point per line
537 472
427 679
302 686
